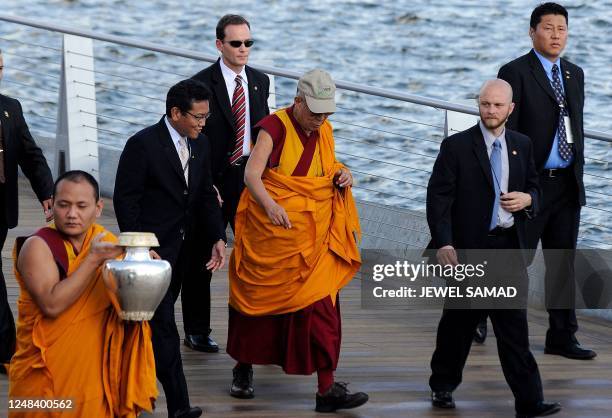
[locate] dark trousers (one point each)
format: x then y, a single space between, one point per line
195 290
166 339
195 297
7 322
454 340
233 185
557 227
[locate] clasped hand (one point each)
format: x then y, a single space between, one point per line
515 201
343 178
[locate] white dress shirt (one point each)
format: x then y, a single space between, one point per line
230 84
175 136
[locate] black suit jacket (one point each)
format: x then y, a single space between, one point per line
20 149
460 193
151 194
536 112
220 126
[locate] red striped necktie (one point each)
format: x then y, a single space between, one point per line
239 115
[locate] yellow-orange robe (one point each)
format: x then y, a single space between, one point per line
87 354
284 283
274 270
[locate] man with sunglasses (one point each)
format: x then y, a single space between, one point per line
163 185
239 101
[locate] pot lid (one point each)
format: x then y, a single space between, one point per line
138 239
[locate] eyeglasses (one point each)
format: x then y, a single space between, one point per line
237 44
199 117
316 115
319 115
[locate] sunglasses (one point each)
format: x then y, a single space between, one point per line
237 44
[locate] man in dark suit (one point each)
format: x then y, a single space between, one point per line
240 100
549 98
482 188
164 185
17 148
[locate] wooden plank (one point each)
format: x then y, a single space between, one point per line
385 353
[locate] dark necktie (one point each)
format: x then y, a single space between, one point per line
565 149
239 115
496 170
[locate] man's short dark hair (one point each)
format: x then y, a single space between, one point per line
547 9
77 176
229 20
184 93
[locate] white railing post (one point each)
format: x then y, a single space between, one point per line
272 96
77 132
458 121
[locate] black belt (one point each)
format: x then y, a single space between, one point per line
240 161
556 172
499 231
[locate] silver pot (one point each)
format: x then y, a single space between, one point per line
137 284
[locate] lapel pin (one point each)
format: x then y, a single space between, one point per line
514 152
6 114
255 88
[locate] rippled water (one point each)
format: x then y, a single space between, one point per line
441 48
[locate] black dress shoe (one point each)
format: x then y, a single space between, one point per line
442 399
191 412
339 397
571 351
541 409
480 334
242 384
201 342
2 369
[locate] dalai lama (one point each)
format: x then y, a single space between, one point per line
295 248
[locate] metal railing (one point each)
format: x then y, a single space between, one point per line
185 53
391 155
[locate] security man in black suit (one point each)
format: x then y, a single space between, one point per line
549 99
17 148
163 185
482 188
240 100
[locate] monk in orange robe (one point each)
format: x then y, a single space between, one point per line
296 247
72 348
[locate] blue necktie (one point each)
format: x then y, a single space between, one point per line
565 149
496 171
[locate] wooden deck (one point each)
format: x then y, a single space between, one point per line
384 353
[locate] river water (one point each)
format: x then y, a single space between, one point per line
441 48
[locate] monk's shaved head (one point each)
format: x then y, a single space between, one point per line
497 85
